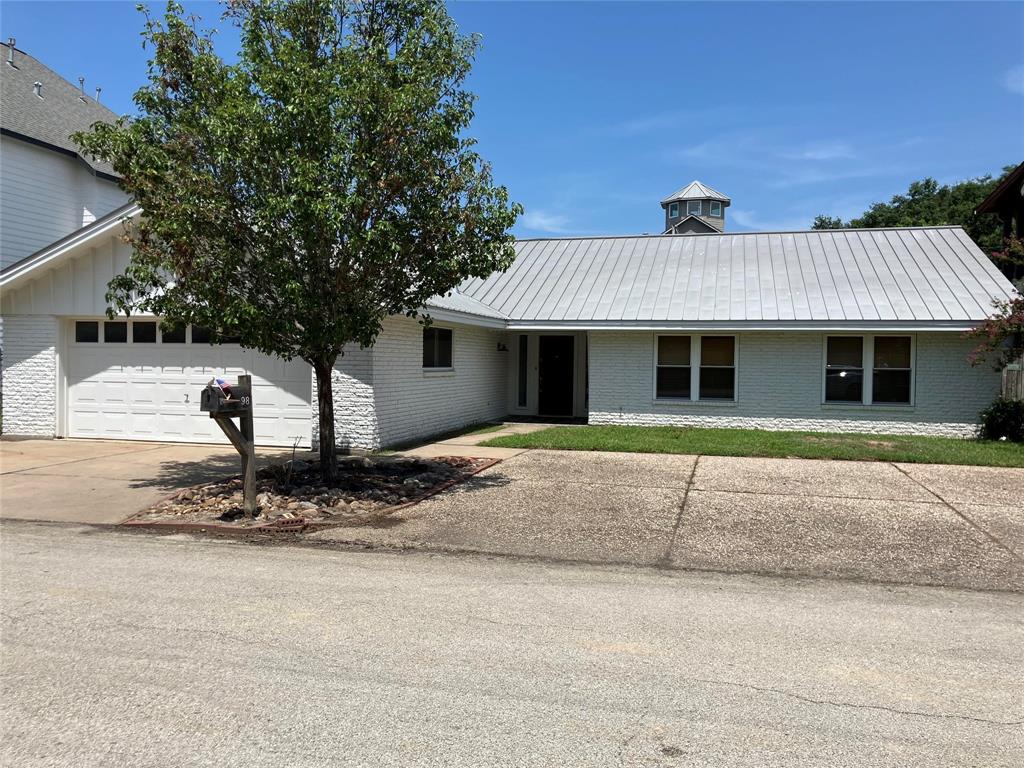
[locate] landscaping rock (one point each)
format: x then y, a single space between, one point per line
366 487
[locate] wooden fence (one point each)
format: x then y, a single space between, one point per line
1013 382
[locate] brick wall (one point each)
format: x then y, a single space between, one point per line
413 403
779 380
30 375
355 416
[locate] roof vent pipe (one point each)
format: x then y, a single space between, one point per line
81 88
37 87
97 96
10 51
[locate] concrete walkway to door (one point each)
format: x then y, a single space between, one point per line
105 481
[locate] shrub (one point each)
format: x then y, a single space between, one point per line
1003 419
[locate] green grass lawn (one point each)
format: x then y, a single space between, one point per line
752 442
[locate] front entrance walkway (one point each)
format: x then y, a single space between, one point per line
469 445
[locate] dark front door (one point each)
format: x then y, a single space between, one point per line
555 376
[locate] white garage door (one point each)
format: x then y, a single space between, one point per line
127 380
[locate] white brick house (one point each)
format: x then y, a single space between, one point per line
856 330
841 331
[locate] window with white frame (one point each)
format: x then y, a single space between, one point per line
887 359
693 208
891 371
696 368
673 210
717 367
716 208
673 368
844 369
437 347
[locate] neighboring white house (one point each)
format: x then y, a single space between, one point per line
48 189
849 330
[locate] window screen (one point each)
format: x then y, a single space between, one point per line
437 348
717 368
844 369
673 367
892 370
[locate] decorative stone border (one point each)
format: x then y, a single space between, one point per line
292 525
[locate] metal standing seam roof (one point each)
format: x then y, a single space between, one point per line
924 275
459 302
52 119
695 190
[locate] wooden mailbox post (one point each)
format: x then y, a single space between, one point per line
236 404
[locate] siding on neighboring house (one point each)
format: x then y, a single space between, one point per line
30 375
383 396
779 386
44 196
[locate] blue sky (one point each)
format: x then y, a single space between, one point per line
592 112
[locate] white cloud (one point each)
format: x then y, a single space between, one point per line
673 119
798 177
1013 79
828 150
539 220
749 219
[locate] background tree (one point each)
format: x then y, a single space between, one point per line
928 203
321 183
821 221
1001 337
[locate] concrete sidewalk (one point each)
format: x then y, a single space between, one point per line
469 445
916 524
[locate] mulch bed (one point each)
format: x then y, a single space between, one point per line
292 497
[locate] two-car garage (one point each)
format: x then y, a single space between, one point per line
130 380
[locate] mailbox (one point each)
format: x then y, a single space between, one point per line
226 400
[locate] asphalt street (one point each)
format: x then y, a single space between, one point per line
122 649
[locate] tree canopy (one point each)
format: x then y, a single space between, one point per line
928 203
1000 338
322 182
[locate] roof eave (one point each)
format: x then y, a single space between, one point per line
839 326
994 202
55 252
463 318
60 150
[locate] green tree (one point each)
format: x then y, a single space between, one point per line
322 182
928 203
821 221
1001 337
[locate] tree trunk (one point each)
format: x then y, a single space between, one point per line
325 409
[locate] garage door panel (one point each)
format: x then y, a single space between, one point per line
151 392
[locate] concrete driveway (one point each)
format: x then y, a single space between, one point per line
103 481
899 523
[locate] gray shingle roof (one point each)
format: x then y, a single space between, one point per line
53 118
696 191
934 274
